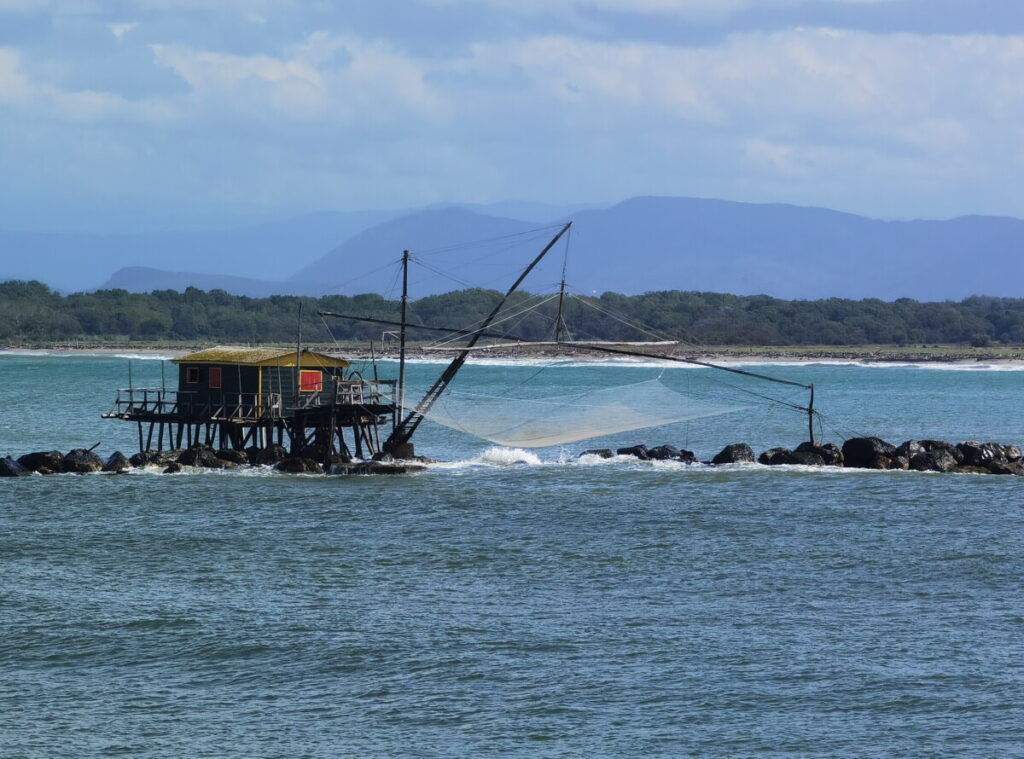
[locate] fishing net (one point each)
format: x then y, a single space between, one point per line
535 423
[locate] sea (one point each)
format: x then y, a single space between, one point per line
521 602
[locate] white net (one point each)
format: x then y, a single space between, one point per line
535 423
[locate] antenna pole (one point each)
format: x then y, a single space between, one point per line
401 335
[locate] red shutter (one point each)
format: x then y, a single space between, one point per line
311 381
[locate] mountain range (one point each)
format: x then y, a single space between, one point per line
639 245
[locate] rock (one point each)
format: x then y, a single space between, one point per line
1006 467
405 452
117 463
982 454
638 451
936 460
199 455
829 453
737 453
81 461
173 468
602 453
663 453
899 462
299 465
909 448
11 468
235 457
868 453
687 457
776 457
155 458
269 456
968 469
1012 452
942 446
807 458
51 461
376 467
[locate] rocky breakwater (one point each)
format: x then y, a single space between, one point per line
85 461
970 457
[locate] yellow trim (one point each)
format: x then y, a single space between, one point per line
260 357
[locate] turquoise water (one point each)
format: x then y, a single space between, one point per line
519 603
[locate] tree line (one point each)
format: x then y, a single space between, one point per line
32 313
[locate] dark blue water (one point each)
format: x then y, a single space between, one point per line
541 608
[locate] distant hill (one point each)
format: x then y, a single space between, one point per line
139 279
450 239
273 250
653 243
640 245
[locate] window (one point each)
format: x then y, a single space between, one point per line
311 381
192 375
214 379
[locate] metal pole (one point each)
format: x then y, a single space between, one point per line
401 335
810 416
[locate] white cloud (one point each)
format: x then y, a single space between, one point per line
119 30
14 84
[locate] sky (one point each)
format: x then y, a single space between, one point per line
146 115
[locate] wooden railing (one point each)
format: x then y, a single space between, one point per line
149 402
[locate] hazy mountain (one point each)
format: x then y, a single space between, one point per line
140 279
454 240
265 251
639 245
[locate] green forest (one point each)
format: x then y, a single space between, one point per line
32 314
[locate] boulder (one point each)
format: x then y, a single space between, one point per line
602 453
936 460
200 455
269 456
155 458
299 465
807 458
687 457
868 453
117 463
982 454
1006 467
81 461
637 451
737 453
11 468
776 457
235 457
968 469
173 468
829 453
941 446
663 453
51 461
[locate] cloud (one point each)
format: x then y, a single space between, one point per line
800 114
119 30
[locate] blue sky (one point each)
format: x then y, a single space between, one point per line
159 114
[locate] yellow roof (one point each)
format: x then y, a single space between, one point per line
229 354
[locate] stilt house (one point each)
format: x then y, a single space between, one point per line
245 398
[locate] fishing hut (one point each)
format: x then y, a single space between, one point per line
245 398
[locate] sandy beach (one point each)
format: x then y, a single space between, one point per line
945 354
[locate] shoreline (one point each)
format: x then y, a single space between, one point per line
866 354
